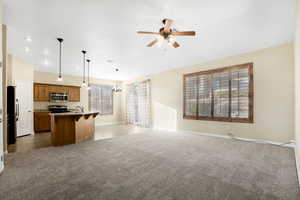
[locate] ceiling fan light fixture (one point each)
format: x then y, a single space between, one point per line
166 32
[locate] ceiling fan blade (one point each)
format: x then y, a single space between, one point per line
168 25
152 43
174 44
184 33
145 32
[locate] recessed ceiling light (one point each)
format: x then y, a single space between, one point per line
46 52
27 49
28 39
109 61
46 62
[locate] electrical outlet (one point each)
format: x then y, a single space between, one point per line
230 134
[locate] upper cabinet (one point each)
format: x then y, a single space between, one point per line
42 91
58 89
74 93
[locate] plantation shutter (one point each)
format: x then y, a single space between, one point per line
94 98
220 92
106 101
101 99
240 93
205 96
224 94
190 96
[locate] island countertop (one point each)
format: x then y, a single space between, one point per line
74 113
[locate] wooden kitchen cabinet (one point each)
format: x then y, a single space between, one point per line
57 89
74 94
41 92
42 122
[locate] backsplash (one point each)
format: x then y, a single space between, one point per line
44 105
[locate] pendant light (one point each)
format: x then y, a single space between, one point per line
60 40
117 88
88 74
83 78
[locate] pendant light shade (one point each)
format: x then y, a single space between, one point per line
83 78
60 40
88 74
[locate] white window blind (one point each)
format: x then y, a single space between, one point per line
138 104
224 94
101 99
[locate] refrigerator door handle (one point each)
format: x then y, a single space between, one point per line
17 110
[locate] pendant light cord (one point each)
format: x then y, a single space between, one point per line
59 59
84 52
88 71
60 40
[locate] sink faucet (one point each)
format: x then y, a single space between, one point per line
80 108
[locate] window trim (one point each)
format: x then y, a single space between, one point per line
225 119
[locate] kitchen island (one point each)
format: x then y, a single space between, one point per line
72 127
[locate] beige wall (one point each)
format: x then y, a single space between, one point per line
297 88
43 77
18 70
273 97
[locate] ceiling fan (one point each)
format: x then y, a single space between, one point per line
167 33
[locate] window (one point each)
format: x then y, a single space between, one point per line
224 94
101 99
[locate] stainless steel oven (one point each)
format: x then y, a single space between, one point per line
59 97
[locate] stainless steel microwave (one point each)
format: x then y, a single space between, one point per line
59 97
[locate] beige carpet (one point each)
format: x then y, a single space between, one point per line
154 165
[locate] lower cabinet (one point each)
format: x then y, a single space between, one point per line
42 122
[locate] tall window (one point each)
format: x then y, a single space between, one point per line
101 99
224 94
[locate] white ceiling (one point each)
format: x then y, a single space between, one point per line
107 30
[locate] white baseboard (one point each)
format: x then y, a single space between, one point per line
110 123
164 129
289 144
